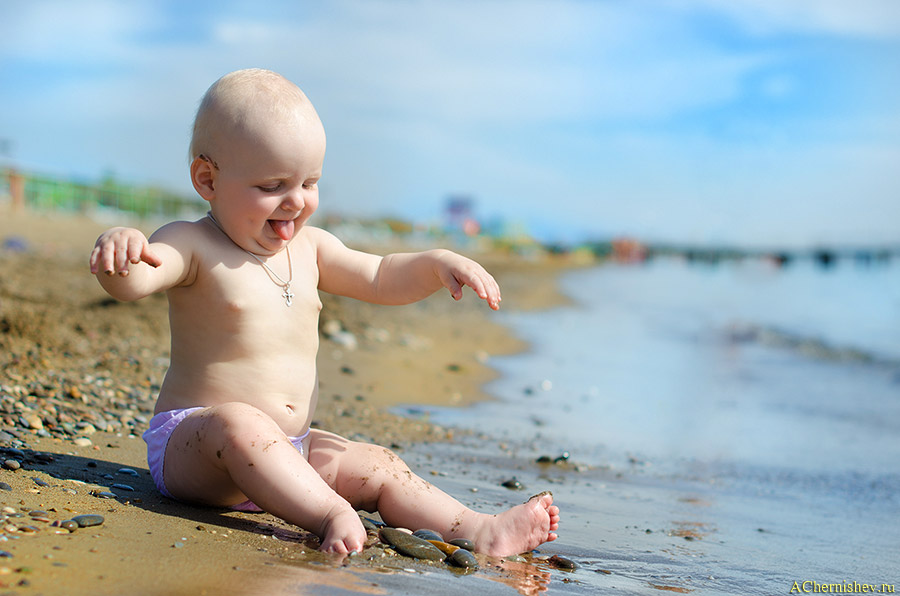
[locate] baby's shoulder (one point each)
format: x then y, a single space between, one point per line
320 240
182 233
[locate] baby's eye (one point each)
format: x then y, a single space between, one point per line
270 187
309 185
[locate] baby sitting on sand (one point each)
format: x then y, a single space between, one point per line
231 425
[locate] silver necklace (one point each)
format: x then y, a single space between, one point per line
276 279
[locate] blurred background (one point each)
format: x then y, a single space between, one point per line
749 123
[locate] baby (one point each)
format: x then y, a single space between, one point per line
231 425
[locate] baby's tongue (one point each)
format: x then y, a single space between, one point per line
284 229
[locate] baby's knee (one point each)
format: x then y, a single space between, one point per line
233 421
382 455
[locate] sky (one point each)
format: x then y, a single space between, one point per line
747 122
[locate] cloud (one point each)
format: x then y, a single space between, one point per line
670 104
873 19
57 31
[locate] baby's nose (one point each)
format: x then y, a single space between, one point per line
293 203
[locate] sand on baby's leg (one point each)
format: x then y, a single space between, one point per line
227 454
373 478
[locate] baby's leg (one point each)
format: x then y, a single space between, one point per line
225 454
372 478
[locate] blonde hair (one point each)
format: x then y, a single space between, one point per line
232 103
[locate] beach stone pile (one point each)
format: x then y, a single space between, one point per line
16 523
423 544
71 406
429 546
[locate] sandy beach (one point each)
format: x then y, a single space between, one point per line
79 376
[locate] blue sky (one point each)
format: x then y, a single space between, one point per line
766 122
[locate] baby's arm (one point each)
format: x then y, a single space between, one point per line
129 266
399 278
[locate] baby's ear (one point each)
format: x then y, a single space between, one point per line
203 176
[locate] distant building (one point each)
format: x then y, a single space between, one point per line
629 250
459 215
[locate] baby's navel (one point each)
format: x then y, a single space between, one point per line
290 409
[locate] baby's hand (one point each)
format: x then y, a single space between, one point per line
456 271
117 248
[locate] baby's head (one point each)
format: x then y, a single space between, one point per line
244 106
256 157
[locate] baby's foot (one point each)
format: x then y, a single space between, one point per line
519 529
343 533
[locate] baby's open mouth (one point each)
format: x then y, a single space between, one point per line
284 228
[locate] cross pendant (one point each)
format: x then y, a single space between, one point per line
287 294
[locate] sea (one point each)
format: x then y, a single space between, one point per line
708 428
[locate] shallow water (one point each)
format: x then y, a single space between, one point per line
730 428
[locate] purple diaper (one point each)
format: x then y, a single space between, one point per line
157 437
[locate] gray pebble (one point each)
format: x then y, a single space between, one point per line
69 524
87 520
425 534
463 543
409 545
463 558
513 484
11 464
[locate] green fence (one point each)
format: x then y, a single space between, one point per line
42 192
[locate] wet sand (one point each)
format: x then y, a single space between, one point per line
80 372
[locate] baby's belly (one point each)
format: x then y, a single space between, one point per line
287 396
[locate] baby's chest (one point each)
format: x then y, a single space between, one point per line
250 291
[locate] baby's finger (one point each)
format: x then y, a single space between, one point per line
135 250
106 258
94 260
121 258
453 285
150 257
477 284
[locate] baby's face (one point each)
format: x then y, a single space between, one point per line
266 184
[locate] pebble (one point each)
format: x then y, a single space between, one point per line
87 520
564 457
464 543
512 484
123 487
32 421
463 558
86 428
561 562
11 464
38 481
5 486
102 494
128 472
409 545
447 549
82 442
368 524
345 339
425 534
68 524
